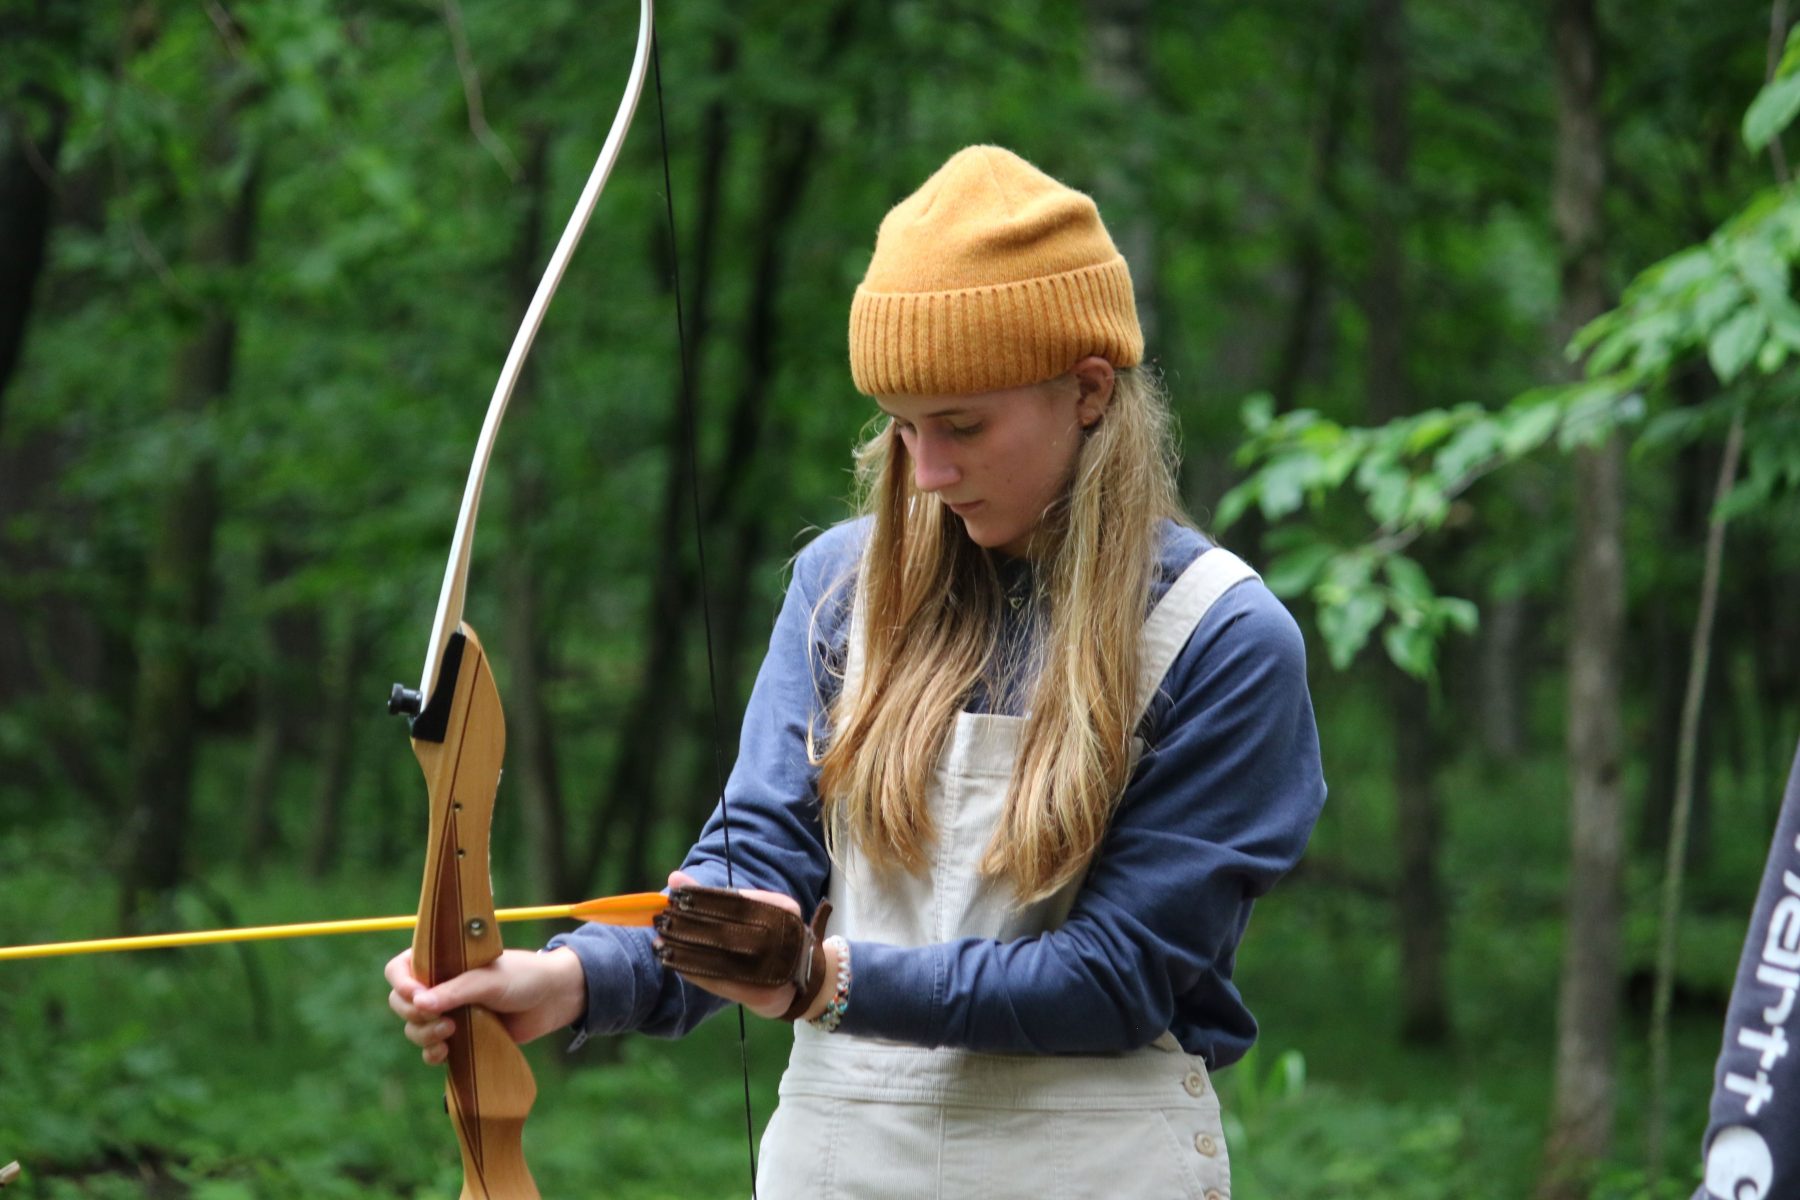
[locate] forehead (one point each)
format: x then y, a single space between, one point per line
923 408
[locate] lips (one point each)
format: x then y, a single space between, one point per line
964 509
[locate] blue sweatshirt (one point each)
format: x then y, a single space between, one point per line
1220 806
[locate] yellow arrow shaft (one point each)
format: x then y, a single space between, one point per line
617 910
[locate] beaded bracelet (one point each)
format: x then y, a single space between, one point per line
827 1021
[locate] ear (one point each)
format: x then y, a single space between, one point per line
1094 378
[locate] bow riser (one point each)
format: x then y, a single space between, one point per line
489 1088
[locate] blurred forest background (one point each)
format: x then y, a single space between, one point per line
260 261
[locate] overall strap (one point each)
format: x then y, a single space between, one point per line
1180 612
853 648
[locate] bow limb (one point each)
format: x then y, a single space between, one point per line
456 574
459 738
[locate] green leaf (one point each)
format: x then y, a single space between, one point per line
1676 273
1772 111
1428 429
1526 429
1595 409
1426 503
1346 626
1472 446
1409 581
1281 486
1672 427
1234 504
1717 299
1257 412
1411 647
1771 356
1291 574
1790 55
1458 614
1735 343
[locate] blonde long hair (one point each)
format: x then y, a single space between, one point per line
932 605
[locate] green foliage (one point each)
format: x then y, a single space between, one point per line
1408 476
1329 1143
1778 102
1256 1089
1727 298
1726 302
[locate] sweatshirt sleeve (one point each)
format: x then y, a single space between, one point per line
1221 805
776 842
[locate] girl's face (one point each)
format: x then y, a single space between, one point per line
998 460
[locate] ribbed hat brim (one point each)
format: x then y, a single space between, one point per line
985 339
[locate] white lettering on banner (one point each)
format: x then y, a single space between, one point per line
1757 1091
1771 1044
1782 946
1779 971
1784 982
1739 1165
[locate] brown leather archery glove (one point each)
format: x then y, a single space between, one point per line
718 933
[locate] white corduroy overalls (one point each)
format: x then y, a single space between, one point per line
861 1119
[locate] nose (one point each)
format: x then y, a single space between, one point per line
933 467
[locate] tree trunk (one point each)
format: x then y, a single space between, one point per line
26 200
1307 277
290 653
1667 634
50 39
1424 1003
337 723
174 611
1309 267
1501 704
1422 908
1119 55
1588 998
28 156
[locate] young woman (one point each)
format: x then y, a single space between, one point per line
1039 743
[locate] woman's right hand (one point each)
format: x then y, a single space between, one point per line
532 994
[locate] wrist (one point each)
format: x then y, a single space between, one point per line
833 1000
828 967
567 990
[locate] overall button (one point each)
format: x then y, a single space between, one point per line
1204 1143
1195 1083
1214 1194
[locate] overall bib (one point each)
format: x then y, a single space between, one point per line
861 1119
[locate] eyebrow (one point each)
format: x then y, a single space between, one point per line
942 412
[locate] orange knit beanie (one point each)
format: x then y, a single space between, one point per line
992 275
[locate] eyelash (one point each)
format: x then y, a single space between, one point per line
966 431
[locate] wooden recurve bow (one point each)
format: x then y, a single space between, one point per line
459 738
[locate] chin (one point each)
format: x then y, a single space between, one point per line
988 537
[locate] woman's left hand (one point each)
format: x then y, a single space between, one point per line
769 1002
